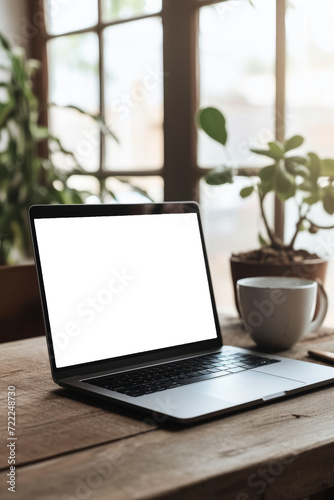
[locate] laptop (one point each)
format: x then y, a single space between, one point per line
130 314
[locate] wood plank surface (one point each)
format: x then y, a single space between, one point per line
51 420
77 447
224 458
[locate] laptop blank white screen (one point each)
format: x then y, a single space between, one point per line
120 285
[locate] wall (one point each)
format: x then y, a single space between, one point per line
14 22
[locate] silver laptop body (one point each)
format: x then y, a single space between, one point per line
126 291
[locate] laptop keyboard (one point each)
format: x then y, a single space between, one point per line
175 374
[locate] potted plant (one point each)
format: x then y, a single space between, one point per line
306 178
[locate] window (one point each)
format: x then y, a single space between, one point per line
115 48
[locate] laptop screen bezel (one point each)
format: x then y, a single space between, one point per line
63 211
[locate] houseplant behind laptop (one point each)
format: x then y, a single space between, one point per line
307 178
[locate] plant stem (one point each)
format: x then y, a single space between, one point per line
299 224
275 241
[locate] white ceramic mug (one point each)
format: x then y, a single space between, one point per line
277 311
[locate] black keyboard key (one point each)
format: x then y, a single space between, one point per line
138 393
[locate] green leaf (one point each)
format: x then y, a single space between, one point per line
327 167
137 189
76 197
293 143
5 111
312 199
264 152
4 42
267 173
19 70
219 176
284 183
289 193
306 186
296 169
301 160
282 180
212 121
104 127
262 241
328 201
276 149
314 166
112 194
247 191
266 187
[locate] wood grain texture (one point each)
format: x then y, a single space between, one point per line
292 442
76 447
52 421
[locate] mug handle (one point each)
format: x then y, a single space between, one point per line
323 306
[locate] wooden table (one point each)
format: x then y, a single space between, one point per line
71 447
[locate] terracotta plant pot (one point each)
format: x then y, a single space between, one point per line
308 269
20 306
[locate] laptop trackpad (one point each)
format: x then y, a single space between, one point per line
245 386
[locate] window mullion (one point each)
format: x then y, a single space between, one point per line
101 93
180 24
280 100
